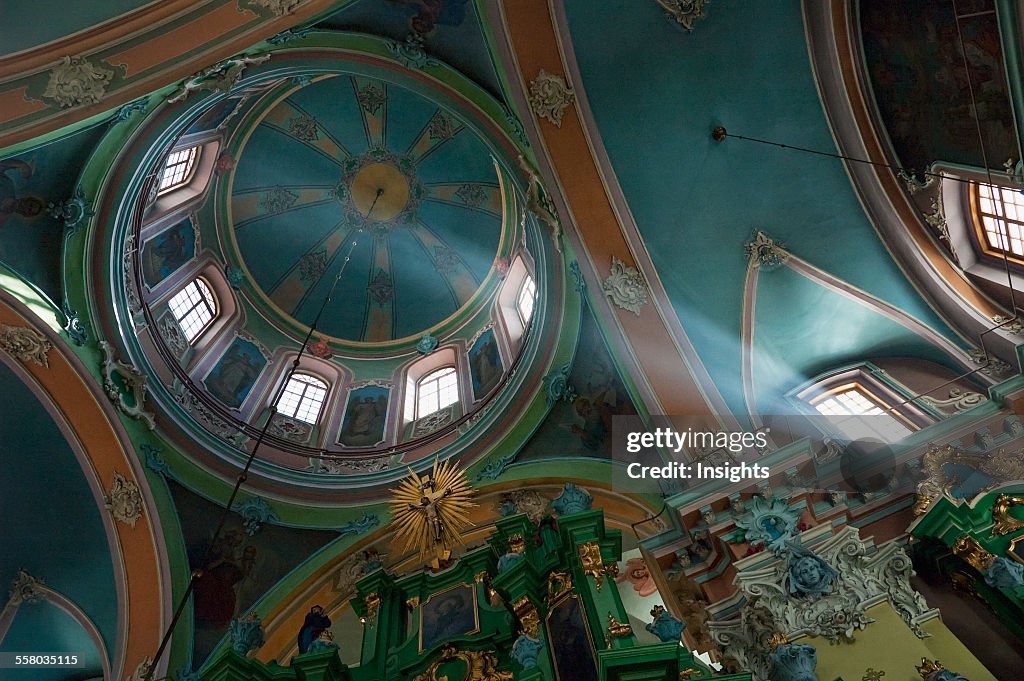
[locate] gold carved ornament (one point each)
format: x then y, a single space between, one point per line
974 553
526 613
617 629
559 584
929 667
430 513
372 602
1002 522
592 563
481 665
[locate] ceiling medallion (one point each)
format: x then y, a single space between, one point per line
378 191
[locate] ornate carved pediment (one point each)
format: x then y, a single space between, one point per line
825 593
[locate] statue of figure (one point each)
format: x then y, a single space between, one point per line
808 574
316 623
431 511
547 536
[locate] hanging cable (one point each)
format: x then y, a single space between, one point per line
243 475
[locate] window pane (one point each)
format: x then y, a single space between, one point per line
526 300
857 415
177 170
436 391
194 307
302 398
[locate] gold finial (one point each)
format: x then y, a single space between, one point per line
372 602
777 639
431 512
928 667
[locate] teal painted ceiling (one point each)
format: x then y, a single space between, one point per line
30 23
355 160
53 530
696 201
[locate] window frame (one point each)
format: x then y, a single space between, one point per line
875 385
191 165
313 381
447 370
200 282
527 281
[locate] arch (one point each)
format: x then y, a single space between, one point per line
98 439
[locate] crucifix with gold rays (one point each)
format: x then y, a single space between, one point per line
430 512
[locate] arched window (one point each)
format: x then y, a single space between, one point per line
436 390
179 167
526 300
302 398
195 307
856 412
999 213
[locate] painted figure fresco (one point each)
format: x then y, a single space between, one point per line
923 93
580 421
365 416
236 372
166 252
12 172
484 364
426 15
447 615
570 642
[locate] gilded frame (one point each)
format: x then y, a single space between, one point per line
473 600
586 626
1012 552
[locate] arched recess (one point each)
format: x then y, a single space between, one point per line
840 323
836 59
327 585
99 441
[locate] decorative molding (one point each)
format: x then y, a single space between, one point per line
411 53
127 111
495 468
936 219
764 252
481 665
550 96
355 568
1002 522
617 629
246 634
205 417
155 460
70 212
290 429
771 522
526 614
795 595
539 203
25 344
626 287
124 500
557 386
684 12
255 513
1002 466
279 8
289 35
218 78
143 672
360 526
134 382
592 563
573 499
26 589
76 81
527 501
957 401
993 366
433 422
426 344
169 329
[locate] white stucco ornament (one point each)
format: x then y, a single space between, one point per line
626 287
76 81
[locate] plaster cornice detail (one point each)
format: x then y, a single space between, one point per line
25 344
550 96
